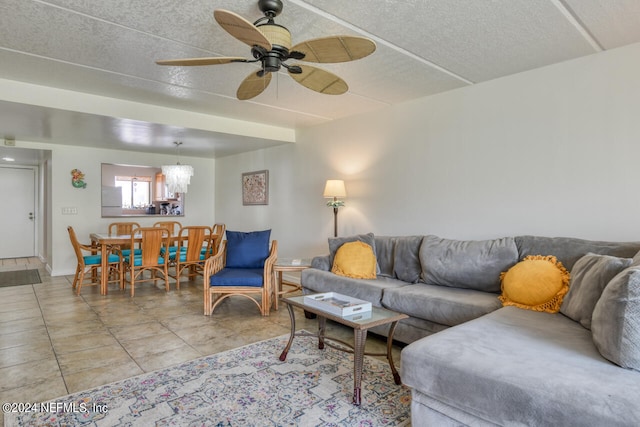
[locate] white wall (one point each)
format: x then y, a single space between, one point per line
199 201
547 152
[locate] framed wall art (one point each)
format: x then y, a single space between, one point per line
255 188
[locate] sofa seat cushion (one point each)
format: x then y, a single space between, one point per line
520 367
440 304
318 281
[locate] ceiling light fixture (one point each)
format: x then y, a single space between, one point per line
8 159
177 177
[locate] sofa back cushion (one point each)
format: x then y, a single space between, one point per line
568 250
469 264
399 257
385 246
406 259
615 324
589 276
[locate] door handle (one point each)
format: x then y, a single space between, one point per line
31 216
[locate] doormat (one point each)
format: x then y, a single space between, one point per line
19 277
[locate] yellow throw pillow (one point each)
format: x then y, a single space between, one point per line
536 283
356 260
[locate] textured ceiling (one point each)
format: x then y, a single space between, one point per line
109 48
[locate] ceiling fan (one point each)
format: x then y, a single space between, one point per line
271 47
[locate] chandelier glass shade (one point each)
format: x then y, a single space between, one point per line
177 177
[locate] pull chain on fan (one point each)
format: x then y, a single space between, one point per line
271 47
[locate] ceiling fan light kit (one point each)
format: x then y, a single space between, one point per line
271 47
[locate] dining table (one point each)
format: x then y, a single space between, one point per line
106 240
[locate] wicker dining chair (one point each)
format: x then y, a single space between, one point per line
193 250
173 227
91 262
119 228
123 228
152 242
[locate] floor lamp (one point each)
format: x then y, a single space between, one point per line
334 189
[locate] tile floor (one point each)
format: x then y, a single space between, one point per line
53 342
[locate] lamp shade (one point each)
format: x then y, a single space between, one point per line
335 188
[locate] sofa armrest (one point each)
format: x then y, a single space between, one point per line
321 263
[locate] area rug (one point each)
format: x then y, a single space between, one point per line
19 277
247 386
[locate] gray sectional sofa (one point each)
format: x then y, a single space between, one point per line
471 361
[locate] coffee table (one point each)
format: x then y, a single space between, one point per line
360 323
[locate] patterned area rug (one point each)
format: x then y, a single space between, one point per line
19 277
247 386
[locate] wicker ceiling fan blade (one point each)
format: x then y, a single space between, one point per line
320 81
201 61
335 48
241 29
253 85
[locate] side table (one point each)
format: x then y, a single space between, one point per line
287 264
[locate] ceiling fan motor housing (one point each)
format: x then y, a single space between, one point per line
280 39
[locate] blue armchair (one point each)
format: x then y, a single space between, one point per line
244 267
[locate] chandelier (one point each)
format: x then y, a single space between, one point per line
177 177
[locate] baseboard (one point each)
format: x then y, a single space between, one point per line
46 265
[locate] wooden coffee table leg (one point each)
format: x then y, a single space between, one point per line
322 325
292 316
360 339
396 375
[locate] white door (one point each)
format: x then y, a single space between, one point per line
17 212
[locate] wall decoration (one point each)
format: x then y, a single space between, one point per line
255 188
77 179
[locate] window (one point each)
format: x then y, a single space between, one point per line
136 191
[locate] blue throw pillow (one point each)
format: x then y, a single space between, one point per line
247 250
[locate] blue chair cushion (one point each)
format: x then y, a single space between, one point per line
183 257
127 252
247 250
97 259
137 260
238 277
172 251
